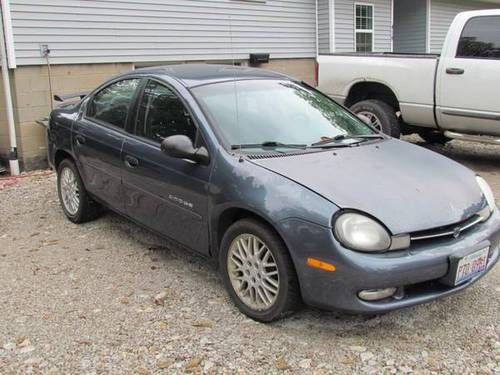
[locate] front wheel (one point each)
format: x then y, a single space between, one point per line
381 115
258 272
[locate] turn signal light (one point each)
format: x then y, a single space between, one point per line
316 263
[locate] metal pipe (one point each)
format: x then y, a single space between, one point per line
13 158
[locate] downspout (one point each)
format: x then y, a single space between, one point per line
13 158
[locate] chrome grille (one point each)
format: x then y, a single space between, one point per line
453 230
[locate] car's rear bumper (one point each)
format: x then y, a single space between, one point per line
415 272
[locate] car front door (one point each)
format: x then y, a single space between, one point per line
166 194
468 87
98 137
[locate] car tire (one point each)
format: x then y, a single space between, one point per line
76 203
433 136
381 114
275 288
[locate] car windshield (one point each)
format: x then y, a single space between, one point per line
256 113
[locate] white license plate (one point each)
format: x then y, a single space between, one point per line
471 265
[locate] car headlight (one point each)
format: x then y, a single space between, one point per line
360 232
488 193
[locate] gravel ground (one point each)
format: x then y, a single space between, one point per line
81 299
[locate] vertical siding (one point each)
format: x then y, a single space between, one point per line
92 31
324 26
442 14
344 25
410 26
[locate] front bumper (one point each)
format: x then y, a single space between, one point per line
416 271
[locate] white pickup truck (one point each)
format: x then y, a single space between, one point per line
452 95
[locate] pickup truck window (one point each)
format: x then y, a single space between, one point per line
111 105
480 38
364 28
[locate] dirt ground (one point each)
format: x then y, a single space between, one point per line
81 299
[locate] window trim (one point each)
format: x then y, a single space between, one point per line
200 139
129 112
460 38
364 31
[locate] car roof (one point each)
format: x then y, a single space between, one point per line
191 75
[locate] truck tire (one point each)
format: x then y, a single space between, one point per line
76 203
382 116
246 271
433 136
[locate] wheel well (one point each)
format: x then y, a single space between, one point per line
60 156
232 215
371 90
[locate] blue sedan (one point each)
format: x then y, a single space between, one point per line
294 197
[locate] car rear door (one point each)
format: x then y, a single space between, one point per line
468 85
166 194
98 137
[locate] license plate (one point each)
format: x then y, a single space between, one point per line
471 265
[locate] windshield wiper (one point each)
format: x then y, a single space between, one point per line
332 142
268 144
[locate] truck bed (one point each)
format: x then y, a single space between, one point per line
409 76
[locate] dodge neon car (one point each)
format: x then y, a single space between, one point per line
292 195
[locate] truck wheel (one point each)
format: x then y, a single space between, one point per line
258 272
381 115
433 136
77 205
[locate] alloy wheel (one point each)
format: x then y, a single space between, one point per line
70 193
253 272
374 120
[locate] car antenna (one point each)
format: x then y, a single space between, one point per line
235 89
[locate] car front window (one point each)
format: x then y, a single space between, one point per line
275 111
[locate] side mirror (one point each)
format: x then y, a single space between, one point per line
365 119
181 147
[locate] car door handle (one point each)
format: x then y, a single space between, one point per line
79 139
131 162
455 71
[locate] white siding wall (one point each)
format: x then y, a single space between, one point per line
324 25
81 31
344 25
410 26
442 14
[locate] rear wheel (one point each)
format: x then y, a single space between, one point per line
77 205
258 272
381 115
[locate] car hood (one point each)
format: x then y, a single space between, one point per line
407 187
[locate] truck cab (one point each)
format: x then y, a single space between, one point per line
468 75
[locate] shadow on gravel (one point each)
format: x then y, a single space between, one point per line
306 320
